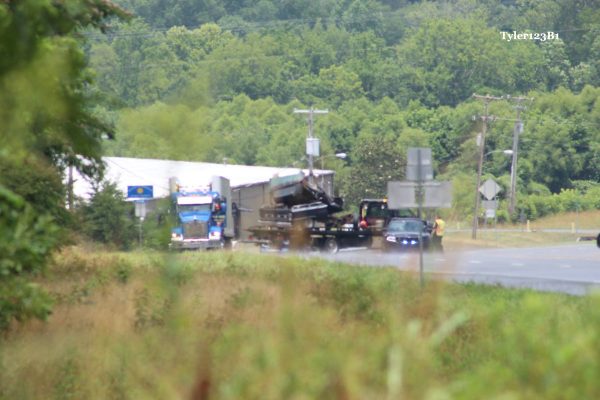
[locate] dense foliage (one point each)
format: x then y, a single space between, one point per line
26 241
214 80
46 124
107 218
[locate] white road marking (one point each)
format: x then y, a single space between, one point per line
474 262
517 264
565 266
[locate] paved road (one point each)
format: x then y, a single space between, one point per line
573 269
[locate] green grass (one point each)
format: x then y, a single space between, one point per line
490 238
519 234
249 326
580 220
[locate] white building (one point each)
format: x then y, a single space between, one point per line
250 184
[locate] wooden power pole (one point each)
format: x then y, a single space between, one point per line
487 99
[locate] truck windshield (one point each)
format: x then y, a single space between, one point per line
194 207
377 210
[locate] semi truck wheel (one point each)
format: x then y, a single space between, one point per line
598 240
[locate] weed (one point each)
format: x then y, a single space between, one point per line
176 273
123 271
150 310
68 385
117 380
240 298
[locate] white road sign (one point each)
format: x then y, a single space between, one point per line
490 189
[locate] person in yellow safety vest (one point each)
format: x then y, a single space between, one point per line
438 232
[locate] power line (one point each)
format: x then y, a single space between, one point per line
133 173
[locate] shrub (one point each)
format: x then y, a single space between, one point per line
593 197
529 208
26 240
570 200
157 226
123 271
502 216
107 218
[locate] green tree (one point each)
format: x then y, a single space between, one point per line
38 183
334 85
375 161
107 217
26 241
446 61
252 67
564 143
45 123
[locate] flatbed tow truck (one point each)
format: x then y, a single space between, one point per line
303 216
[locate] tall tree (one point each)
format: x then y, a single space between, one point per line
45 118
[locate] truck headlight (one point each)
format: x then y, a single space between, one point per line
215 235
391 238
176 236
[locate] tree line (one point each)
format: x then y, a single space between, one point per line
222 84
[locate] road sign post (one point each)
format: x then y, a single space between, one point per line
420 171
140 212
419 191
140 194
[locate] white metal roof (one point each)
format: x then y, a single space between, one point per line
142 172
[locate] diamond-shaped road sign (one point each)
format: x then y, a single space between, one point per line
490 189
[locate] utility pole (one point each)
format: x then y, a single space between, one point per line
485 118
518 129
420 196
310 141
70 189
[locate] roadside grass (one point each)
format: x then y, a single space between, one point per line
568 220
499 238
235 325
581 220
520 235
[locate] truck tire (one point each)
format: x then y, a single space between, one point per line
598 240
331 246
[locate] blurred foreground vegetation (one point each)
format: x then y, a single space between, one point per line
237 325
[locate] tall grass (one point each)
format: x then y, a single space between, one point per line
244 326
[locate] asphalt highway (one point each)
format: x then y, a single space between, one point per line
572 269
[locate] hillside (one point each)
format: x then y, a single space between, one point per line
219 80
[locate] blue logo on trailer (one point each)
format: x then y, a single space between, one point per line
140 192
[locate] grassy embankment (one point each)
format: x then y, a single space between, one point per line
539 233
245 326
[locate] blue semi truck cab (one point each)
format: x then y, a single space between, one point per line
205 217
